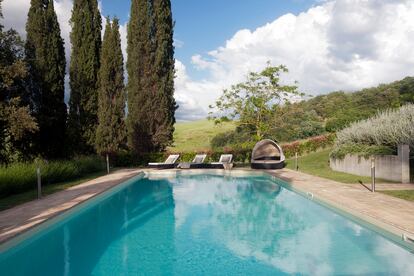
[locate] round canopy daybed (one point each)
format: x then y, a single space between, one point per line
267 155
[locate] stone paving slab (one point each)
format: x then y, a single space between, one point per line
392 214
21 218
393 187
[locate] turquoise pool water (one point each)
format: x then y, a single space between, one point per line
205 225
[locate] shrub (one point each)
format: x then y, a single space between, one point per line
309 145
21 177
385 131
222 139
131 159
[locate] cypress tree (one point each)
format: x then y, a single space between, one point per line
140 67
165 104
45 55
85 62
110 133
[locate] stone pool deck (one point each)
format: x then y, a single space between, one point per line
392 214
21 218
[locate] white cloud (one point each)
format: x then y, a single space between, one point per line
338 45
192 96
15 16
178 43
123 32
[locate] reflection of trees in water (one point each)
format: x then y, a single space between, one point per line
275 226
255 218
265 222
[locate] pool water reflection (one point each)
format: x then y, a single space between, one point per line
206 225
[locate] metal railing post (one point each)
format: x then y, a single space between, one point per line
373 174
39 183
296 161
107 163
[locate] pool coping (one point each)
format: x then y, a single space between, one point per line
390 230
25 217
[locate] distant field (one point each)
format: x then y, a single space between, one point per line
196 136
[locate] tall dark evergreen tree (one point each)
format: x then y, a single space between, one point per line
85 62
110 134
151 103
165 104
141 76
45 55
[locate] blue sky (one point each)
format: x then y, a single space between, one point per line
202 26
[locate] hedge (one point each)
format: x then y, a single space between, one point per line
309 145
21 177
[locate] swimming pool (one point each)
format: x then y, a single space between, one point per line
204 225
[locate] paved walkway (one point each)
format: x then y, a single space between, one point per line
393 186
393 214
23 217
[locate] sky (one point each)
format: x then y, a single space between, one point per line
328 45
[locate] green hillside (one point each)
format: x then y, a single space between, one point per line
331 112
196 136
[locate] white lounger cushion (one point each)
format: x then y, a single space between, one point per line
199 158
224 159
170 160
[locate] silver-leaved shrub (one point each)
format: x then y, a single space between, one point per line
388 128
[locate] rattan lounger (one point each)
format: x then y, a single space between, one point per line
267 155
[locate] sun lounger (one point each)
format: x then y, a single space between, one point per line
170 163
225 162
197 163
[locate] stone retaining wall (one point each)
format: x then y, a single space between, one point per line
388 167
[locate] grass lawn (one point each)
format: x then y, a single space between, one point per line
407 195
196 136
11 201
317 163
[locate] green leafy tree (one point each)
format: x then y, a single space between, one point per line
16 122
141 76
46 58
251 102
165 105
292 122
84 66
110 135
